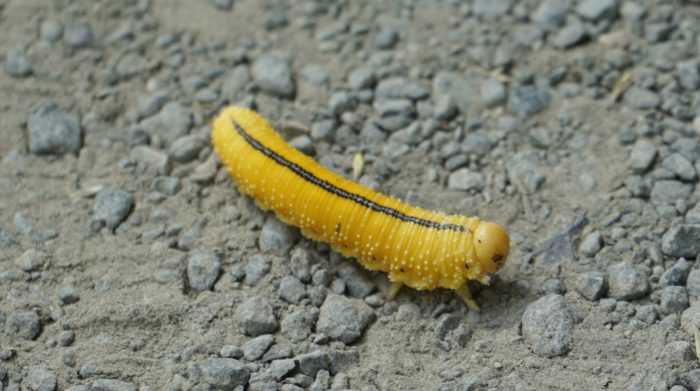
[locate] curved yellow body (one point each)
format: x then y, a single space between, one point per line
418 248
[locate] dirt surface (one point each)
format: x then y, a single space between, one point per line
129 261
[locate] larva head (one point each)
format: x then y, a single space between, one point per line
491 245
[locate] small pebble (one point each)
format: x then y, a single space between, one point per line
291 290
68 294
256 316
344 319
256 347
277 237
52 131
112 206
493 92
674 299
203 269
627 282
225 373
24 325
273 76
682 241
547 325
17 64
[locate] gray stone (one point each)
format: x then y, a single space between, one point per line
297 325
597 9
676 274
674 299
225 373
151 105
291 290
203 269
401 88
679 165
31 260
311 363
492 9
646 313
112 206
386 39
592 285
172 121
256 316
166 185
357 282
6 239
560 247
668 192
78 35
322 381
231 351
569 36
235 81
186 148
50 31
112 385
344 319
591 244
642 156
361 78
40 379
315 74
682 241
528 100
341 102
223 5
131 65
445 324
454 85
445 108
551 14
688 75
68 294
547 325
658 32
256 347
273 76
277 237
24 325
17 64
257 267
395 107
626 282
493 92
274 19
65 338
693 283
280 368
642 98
465 179
53 131
189 238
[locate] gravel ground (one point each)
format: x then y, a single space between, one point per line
128 261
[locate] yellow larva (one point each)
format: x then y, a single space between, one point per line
418 248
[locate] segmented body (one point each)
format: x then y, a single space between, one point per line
419 248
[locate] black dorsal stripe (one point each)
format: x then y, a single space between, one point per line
309 177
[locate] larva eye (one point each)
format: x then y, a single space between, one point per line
491 244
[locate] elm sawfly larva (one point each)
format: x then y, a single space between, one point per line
418 248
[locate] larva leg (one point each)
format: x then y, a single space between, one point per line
466 295
394 289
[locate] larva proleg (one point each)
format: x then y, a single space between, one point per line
419 248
